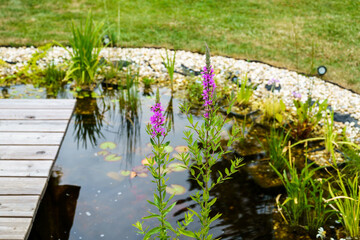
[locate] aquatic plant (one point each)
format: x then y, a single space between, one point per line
308 115
86 46
277 142
52 80
304 205
347 201
156 165
244 91
170 66
200 160
273 109
330 137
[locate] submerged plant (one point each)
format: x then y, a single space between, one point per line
201 159
86 45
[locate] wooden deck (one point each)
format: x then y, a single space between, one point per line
31 132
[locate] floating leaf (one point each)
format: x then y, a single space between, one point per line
113 158
102 153
125 173
175 189
143 174
145 161
177 167
182 149
132 175
176 156
169 149
140 169
115 175
108 145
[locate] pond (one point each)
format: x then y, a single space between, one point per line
91 196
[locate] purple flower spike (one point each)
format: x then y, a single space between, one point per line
208 88
296 95
157 121
273 81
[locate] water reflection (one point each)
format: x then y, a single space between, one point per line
88 122
55 216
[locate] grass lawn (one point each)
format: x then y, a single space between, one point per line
295 34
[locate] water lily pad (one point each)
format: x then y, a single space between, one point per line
113 158
175 189
182 149
143 174
176 156
107 145
140 169
177 167
169 149
102 153
115 175
125 173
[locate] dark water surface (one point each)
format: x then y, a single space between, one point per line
88 198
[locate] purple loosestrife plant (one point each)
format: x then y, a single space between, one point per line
156 166
202 154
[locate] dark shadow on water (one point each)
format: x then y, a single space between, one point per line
55 216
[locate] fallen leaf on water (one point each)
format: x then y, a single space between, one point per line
140 169
143 174
145 161
175 189
113 158
169 149
132 175
107 145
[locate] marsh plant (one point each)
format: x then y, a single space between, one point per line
346 198
244 91
273 109
200 160
86 44
331 137
53 79
277 142
304 205
308 115
170 66
156 165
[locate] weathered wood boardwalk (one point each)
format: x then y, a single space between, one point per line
31 131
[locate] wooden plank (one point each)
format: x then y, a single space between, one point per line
37 103
19 168
30 138
21 186
28 152
33 126
35 114
18 206
14 228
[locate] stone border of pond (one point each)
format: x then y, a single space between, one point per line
150 63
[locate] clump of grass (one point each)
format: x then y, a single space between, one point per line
244 92
86 45
347 201
194 92
277 142
304 205
170 66
53 79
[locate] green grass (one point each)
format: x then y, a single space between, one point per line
277 32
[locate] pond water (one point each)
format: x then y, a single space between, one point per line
89 198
